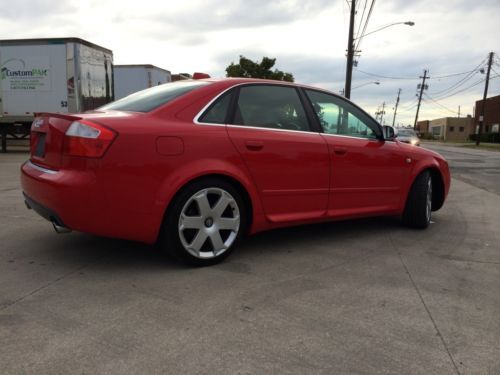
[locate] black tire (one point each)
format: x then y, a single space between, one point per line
181 243
417 213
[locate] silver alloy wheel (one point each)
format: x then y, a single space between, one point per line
428 203
209 223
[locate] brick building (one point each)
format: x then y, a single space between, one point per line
491 114
423 127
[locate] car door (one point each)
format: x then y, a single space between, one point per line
288 162
367 173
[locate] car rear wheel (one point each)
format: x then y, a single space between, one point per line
418 208
204 222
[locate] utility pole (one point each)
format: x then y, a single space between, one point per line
481 114
396 108
380 112
458 111
422 87
350 52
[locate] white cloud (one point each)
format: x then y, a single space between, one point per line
308 38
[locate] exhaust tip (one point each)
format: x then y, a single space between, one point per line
60 229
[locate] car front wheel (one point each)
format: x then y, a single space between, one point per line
418 208
204 222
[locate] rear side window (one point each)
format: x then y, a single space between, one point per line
149 99
217 112
268 106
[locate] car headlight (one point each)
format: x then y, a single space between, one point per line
413 141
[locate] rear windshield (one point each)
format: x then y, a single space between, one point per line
149 99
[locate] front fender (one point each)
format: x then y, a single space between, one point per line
427 163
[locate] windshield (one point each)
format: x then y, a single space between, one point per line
406 133
149 99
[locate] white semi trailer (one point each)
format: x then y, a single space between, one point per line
133 78
50 75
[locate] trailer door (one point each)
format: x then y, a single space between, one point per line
33 79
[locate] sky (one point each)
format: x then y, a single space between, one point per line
450 38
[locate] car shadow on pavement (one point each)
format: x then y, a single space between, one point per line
76 249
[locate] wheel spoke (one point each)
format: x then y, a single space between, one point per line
203 204
217 243
190 222
199 240
229 223
221 205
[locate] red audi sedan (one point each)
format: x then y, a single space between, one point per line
195 165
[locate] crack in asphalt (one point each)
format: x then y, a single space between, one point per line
425 305
14 302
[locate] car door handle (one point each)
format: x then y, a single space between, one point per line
340 150
254 145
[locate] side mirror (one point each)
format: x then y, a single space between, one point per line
389 132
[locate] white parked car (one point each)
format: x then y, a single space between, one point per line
408 136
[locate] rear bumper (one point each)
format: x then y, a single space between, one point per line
43 211
76 200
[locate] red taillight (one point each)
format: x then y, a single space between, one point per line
84 138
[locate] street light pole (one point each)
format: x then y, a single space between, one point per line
351 48
350 52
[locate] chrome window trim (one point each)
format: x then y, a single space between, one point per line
350 136
196 119
198 115
41 169
272 129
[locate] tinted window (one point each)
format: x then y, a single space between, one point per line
337 116
268 106
149 99
217 112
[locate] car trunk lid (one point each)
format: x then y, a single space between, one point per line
47 138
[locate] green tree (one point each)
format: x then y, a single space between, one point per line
250 69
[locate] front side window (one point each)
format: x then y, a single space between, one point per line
340 117
268 106
154 97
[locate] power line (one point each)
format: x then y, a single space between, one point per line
365 25
439 104
410 105
434 108
459 82
451 75
468 87
361 19
381 76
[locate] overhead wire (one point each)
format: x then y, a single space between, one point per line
382 76
361 19
450 75
460 82
360 37
439 104
468 87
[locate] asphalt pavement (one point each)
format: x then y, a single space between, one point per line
477 167
365 297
